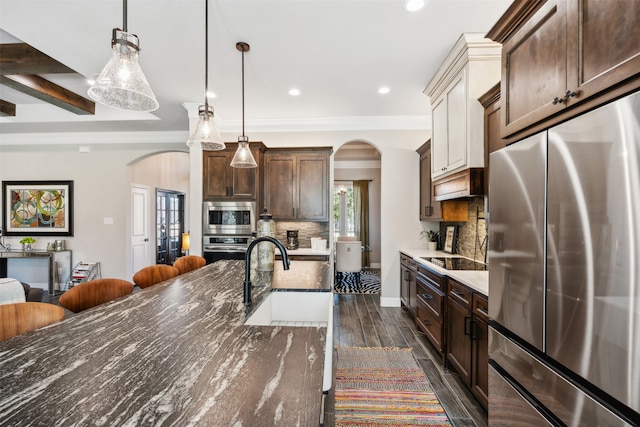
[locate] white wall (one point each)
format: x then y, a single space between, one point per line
103 177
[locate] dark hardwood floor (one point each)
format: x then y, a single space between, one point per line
359 321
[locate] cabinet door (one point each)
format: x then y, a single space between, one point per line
216 174
439 138
404 285
429 207
244 183
313 188
280 182
603 45
480 360
459 343
534 68
413 302
457 123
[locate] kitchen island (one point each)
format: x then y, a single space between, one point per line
177 353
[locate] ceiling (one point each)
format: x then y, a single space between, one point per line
336 52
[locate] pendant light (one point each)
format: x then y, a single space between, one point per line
206 132
122 84
243 157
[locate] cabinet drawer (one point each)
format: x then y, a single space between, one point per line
405 259
431 298
460 294
435 280
481 307
428 324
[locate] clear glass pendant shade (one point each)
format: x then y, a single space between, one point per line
206 133
122 84
243 157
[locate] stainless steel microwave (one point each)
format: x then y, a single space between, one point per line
229 218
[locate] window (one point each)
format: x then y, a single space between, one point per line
343 209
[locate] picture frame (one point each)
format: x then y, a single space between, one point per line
451 238
37 208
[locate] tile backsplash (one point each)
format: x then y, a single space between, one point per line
306 230
472 242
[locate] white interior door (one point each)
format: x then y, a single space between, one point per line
140 242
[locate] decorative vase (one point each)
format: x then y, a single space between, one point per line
432 246
27 247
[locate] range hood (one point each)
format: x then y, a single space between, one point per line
466 183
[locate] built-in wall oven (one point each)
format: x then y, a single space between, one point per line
227 228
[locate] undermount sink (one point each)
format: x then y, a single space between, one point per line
299 309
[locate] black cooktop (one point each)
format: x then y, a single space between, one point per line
456 263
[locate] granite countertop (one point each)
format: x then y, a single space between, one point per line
177 353
474 279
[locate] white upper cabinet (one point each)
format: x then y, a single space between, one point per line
457 139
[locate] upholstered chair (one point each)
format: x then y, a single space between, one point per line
21 317
188 263
93 293
154 274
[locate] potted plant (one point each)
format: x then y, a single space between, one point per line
432 236
27 243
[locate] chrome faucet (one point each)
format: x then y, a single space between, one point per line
247 267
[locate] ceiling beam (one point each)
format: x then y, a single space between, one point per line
21 58
49 92
7 108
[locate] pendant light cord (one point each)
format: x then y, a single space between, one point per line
124 16
206 53
243 92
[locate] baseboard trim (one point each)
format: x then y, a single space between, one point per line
390 302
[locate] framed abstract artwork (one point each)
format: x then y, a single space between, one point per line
37 208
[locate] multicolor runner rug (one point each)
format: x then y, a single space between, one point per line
384 387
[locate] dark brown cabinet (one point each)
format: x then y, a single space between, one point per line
408 271
480 349
297 184
430 308
459 329
492 119
429 207
467 337
221 181
557 54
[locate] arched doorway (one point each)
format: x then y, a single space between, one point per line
358 161
165 176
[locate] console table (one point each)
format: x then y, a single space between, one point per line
59 265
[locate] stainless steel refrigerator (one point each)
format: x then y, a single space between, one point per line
564 273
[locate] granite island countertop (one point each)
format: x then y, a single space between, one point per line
177 353
476 280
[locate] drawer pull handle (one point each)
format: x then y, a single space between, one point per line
459 296
483 310
427 296
467 329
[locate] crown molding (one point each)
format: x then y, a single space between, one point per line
93 138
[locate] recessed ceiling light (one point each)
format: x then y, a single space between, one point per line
91 82
294 92
384 90
413 5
